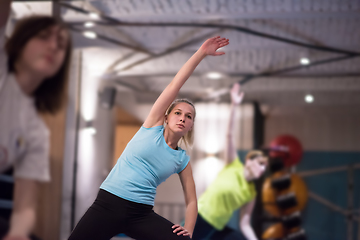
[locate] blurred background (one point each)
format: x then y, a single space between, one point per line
299 66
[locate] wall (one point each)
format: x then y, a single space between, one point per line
91 154
320 221
126 127
330 137
49 202
318 128
123 134
70 145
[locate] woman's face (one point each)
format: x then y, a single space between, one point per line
181 119
256 167
44 53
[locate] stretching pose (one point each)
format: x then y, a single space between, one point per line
126 197
233 188
33 70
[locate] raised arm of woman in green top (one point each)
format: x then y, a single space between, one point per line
236 99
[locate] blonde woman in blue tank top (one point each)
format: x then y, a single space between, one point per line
232 189
126 197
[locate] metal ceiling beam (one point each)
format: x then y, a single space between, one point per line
111 40
289 69
250 77
111 68
234 75
244 30
113 21
128 85
217 16
245 16
150 58
135 43
166 52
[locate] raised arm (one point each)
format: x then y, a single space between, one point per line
188 184
4 12
157 113
245 221
236 99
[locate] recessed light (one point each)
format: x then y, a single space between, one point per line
309 98
214 75
94 15
89 34
304 61
89 24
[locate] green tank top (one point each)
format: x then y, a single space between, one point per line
228 192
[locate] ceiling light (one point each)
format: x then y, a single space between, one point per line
304 61
214 75
94 15
89 24
309 98
89 34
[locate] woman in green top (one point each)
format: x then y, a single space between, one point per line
233 188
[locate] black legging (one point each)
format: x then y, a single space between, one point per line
204 231
110 215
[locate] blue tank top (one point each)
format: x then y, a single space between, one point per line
146 162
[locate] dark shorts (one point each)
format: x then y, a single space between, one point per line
204 231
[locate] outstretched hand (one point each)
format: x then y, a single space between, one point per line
236 95
210 46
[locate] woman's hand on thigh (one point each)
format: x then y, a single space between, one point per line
180 230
